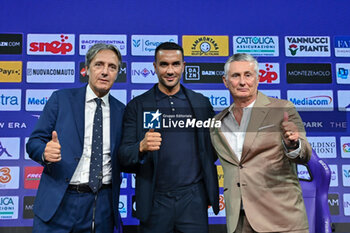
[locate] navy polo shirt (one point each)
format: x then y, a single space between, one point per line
178 162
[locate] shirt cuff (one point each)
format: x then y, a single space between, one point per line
293 154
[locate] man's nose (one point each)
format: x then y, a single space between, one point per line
170 70
105 70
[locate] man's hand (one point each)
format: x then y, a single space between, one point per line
52 151
151 141
290 133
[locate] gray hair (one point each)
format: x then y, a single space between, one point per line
241 57
90 55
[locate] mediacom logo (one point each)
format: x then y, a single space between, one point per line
203 73
86 41
123 206
11 43
10 99
145 45
311 100
269 73
143 72
309 73
345 147
32 177
205 45
50 44
50 72
36 99
10 71
256 45
343 73
325 147
9 177
342 46
307 46
9 148
8 207
343 100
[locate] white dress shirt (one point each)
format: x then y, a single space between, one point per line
81 174
235 133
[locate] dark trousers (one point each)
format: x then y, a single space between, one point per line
184 210
75 214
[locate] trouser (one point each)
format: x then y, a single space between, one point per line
184 210
74 215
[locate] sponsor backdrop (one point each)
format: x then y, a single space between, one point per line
303 57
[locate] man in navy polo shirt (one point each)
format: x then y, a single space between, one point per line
174 162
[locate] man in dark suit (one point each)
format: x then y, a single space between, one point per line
79 187
176 177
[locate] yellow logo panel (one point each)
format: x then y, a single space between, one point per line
205 45
10 71
220 176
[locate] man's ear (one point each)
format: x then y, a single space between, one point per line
87 70
224 81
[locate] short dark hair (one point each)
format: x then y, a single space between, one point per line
90 55
168 46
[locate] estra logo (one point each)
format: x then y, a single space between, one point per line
50 44
32 177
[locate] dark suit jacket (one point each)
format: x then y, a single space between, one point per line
144 168
64 112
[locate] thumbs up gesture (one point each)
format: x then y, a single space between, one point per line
290 132
151 141
52 152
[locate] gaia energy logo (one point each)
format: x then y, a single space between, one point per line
205 45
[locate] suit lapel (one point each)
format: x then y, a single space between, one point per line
223 146
258 115
78 108
113 122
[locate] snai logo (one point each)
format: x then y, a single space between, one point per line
50 44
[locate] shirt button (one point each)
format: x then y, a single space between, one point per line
238 185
